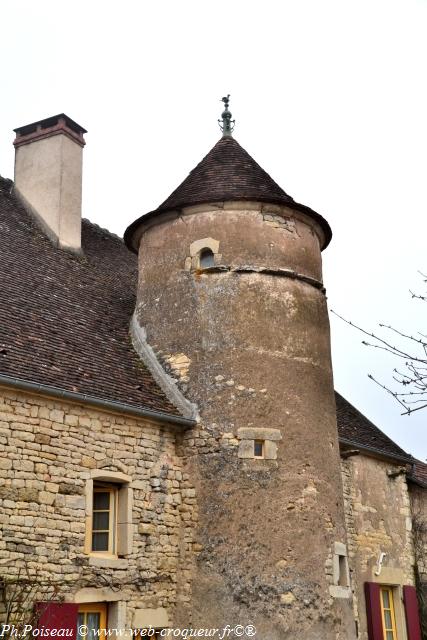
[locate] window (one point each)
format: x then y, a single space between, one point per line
343 571
94 617
258 443
104 519
387 613
206 258
258 448
340 583
204 253
109 528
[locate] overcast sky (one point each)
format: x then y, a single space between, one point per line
329 97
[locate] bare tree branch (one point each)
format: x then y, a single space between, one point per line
413 374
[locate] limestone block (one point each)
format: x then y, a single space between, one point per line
287 598
56 416
270 450
146 529
204 243
145 618
46 497
258 433
246 449
339 592
74 502
88 462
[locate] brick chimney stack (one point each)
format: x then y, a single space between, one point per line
48 176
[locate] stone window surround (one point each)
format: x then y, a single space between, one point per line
340 556
116 606
193 260
247 437
123 518
116 609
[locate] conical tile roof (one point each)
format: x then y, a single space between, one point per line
227 172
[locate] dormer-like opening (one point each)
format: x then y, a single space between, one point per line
206 258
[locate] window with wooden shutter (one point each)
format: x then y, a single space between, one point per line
373 611
412 615
55 616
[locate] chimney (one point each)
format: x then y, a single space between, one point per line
48 176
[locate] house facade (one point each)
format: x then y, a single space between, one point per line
173 456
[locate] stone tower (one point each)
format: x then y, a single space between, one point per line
231 300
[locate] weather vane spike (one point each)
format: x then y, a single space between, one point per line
227 124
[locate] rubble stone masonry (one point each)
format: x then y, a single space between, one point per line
51 450
378 520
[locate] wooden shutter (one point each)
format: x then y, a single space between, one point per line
58 615
411 613
373 611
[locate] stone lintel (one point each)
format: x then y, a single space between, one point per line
258 433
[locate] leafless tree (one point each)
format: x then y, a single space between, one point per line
410 350
18 594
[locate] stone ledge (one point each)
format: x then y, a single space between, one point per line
108 563
339 592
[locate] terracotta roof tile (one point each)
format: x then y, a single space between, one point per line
356 428
64 319
228 172
419 474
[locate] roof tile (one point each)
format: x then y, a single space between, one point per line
227 172
64 319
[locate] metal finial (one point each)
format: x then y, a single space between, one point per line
227 124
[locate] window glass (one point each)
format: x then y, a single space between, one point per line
101 500
103 520
387 613
94 617
206 258
259 448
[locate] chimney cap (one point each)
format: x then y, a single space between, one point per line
60 123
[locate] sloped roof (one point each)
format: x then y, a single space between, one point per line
64 322
227 172
64 319
419 473
355 428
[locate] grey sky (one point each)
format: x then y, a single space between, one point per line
329 97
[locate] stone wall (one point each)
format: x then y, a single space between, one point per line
418 497
247 340
378 520
50 451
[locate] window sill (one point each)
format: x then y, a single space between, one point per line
108 562
340 592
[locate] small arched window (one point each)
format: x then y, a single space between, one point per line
206 258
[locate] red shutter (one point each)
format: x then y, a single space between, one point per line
373 611
411 613
58 615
